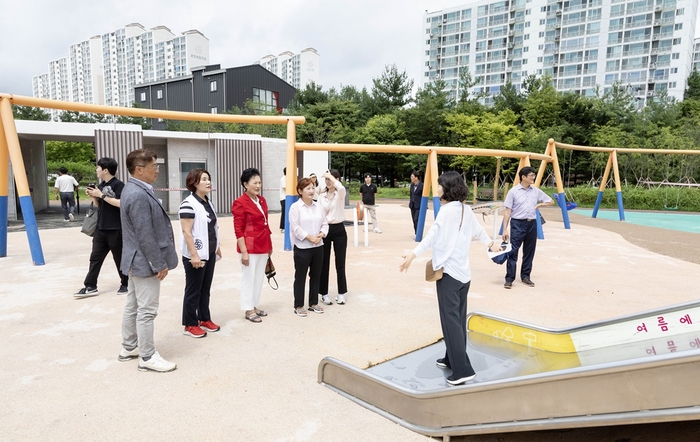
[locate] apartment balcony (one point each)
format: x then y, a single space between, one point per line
494 81
639 24
495 70
501 46
657 78
617 14
637 38
616 28
569 60
573 21
498 22
563 73
588 71
573 34
641 9
634 67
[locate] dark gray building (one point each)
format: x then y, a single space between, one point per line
210 89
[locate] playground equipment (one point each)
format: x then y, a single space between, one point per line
612 165
10 150
639 368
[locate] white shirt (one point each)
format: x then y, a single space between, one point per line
450 244
334 205
65 183
306 220
283 187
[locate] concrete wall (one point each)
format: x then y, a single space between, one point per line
187 150
34 157
274 161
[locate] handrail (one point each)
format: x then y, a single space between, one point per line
150 113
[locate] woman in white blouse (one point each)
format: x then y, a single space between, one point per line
308 227
333 203
450 239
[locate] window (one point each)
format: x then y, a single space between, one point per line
680 11
214 110
143 96
526 49
159 94
672 84
540 35
212 86
674 70
542 21
675 56
539 59
676 41
540 47
678 27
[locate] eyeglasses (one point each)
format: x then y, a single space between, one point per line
155 166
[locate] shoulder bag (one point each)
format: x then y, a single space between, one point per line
90 221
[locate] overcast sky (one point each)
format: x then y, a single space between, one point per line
355 39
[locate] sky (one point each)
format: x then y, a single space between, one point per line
355 40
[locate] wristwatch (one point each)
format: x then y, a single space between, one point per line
103 197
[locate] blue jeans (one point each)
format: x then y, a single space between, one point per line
523 233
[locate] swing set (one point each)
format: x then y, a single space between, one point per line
612 165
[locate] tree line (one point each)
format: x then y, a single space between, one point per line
519 119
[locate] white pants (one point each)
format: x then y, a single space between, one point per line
252 277
372 210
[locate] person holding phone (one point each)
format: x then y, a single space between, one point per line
199 245
108 234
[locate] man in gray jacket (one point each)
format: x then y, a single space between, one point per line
148 252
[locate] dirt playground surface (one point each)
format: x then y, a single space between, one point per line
61 379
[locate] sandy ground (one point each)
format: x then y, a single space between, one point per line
61 380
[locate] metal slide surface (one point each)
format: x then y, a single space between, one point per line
633 369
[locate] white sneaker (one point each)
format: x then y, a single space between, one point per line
127 355
376 230
340 299
72 218
156 363
326 300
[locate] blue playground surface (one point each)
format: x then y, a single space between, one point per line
684 222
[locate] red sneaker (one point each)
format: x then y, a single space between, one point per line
195 331
209 326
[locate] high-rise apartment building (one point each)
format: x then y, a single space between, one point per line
105 68
296 69
646 45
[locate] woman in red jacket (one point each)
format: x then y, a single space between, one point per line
253 235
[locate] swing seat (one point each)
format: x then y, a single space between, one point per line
570 205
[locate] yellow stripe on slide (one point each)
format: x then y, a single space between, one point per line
553 342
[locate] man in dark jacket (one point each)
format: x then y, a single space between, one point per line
416 197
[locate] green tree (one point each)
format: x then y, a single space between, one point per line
30 113
83 117
391 91
485 131
70 151
143 122
692 91
425 122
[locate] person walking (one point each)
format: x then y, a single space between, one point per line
308 227
64 188
148 253
200 249
368 191
283 198
333 204
108 234
416 197
450 239
254 242
521 205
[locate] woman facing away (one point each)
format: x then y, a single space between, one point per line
199 246
333 203
308 227
254 242
450 239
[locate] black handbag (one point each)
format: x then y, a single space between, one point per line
270 272
90 221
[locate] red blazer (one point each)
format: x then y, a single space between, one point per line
250 223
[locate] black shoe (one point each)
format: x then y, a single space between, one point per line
123 290
452 380
528 282
508 284
86 292
442 363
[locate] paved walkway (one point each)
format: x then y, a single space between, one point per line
61 379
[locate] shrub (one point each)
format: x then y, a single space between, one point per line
637 198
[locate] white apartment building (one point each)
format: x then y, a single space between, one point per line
105 68
296 69
646 45
696 55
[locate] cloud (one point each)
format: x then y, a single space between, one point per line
355 40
